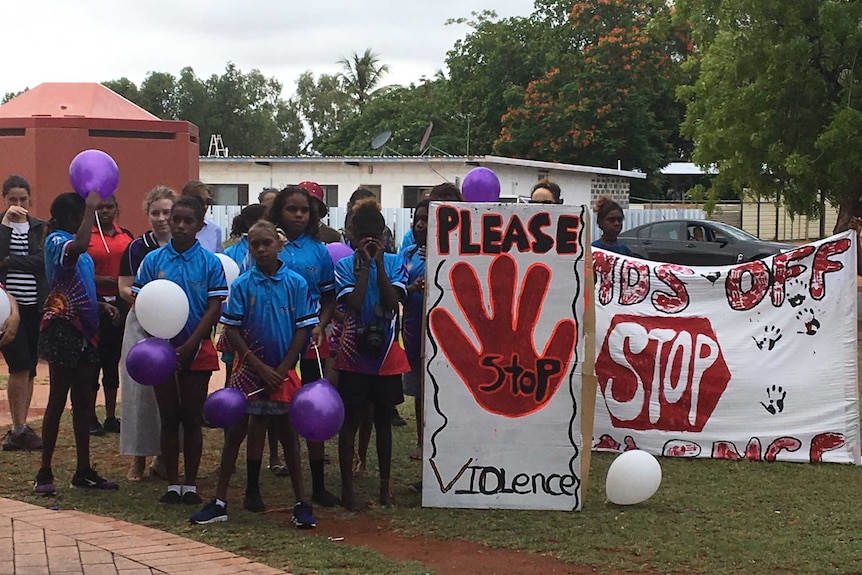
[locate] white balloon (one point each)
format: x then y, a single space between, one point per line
5 307
231 269
633 477
162 308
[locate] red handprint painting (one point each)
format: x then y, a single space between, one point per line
505 374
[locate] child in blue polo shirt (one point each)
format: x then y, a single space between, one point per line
414 259
69 334
266 320
181 398
370 358
293 212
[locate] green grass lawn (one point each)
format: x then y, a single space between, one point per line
712 517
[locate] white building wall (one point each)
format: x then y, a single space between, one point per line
391 175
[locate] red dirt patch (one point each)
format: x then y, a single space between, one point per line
443 555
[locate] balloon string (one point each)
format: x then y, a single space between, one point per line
319 365
101 234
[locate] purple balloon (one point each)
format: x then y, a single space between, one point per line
224 407
337 250
94 170
151 361
316 411
481 185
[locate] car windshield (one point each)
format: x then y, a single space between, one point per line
733 232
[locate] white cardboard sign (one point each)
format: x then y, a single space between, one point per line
503 353
753 361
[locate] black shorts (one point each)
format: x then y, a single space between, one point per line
22 353
357 388
309 370
61 344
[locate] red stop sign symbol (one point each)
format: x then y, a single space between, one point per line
661 373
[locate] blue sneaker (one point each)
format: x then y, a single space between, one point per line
303 517
44 484
211 513
89 479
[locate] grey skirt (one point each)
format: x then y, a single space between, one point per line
139 433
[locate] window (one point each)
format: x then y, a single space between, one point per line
330 195
699 234
665 231
411 195
229 194
372 188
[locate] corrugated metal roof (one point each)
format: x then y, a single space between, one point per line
469 160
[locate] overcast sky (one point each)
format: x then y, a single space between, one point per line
98 40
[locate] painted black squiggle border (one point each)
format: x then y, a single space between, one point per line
577 289
430 359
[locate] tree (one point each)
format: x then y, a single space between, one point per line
323 103
609 98
495 57
245 108
289 123
158 95
125 88
775 105
406 112
362 74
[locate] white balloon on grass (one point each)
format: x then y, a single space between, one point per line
633 477
162 308
231 269
5 307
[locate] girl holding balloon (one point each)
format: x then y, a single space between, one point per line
69 335
201 276
266 320
293 212
140 413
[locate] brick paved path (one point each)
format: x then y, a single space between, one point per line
38 541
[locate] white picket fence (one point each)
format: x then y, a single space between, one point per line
398 219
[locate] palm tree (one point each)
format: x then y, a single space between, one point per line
361 75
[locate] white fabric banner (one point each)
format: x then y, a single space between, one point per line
503 353
752 361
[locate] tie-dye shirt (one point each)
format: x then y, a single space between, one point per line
392 360
267 310
72 295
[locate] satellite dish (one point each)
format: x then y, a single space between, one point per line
380 139
423 144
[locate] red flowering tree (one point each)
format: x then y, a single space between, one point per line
610 97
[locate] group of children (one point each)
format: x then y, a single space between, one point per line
277 317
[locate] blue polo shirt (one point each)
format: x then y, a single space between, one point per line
269 309
407 241
618 247
413 305
393 360
310 259
238 252
72 288
197 271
